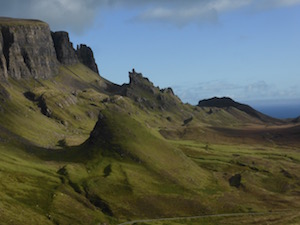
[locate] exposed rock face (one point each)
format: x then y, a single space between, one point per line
136 80
101 132
29 50
146 95
26 49
235 181
65 52
86 57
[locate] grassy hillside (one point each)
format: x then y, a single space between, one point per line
79 150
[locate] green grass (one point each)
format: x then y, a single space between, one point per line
20 22
52 175
292 217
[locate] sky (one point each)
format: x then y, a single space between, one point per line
248 50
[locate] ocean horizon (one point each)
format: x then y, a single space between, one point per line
280 111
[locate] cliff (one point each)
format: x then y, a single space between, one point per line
65 52
86 57
26 49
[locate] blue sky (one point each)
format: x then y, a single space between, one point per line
245 49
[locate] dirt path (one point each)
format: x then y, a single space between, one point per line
198 217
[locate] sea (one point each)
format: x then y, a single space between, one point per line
281 110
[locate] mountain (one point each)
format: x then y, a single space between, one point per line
227 103
78 149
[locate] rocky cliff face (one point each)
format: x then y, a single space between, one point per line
142 91
65 52
29 50
26 49
86 57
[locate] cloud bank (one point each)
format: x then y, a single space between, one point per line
259 90
79 15
75 15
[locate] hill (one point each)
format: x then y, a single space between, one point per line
227 103
78 149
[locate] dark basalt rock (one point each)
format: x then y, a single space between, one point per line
42 104
235 181
142 91
26 50
65 52
86 57
137 80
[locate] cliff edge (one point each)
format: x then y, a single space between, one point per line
26 49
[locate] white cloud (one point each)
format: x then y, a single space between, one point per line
204 11
79 15
266 4
259 90
197 11
75 15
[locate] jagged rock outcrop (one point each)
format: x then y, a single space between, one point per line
136 80
65 52
86 57
142 91
26 49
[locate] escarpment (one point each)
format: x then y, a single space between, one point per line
86 57
64 48
26 50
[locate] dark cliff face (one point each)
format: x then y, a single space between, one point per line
65 52
86 57
145 94
29 50
26 50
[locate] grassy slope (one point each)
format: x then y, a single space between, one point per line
29 184
139 174
72 99
20 22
